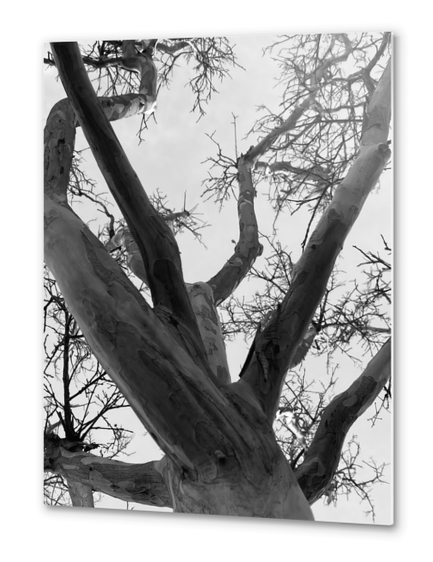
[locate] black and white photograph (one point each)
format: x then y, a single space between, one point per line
218 278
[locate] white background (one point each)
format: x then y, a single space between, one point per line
34 530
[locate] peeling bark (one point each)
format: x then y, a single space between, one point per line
279 493
81 494
156 243
121 107
202 302
276 345
248 247
129 339
304 347
140 483
323 456
134 260
143 63
59 143
146 483
214 440
203 306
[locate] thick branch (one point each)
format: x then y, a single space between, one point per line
81 494
214 438
276 345
143 63
59 143
123 238
378 116
202 302
323 456
122 106
204 308
304 347
140 351
155 240
191 420
59 138
140 483
248 247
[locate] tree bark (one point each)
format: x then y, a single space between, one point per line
81 494
323 456
248 247
221 454
140 483
152 483
202 301
277 343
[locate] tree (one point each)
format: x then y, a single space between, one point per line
324 152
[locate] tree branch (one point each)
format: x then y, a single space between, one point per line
202 302
140 483
323 456
59 143
143 63
81 494
142 354
275 346
155 240
142 351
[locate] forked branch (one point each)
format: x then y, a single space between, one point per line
321 459
312 271
157 245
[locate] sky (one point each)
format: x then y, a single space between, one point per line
172 159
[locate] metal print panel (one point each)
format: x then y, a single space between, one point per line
217 315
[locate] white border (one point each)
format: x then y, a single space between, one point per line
31 528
